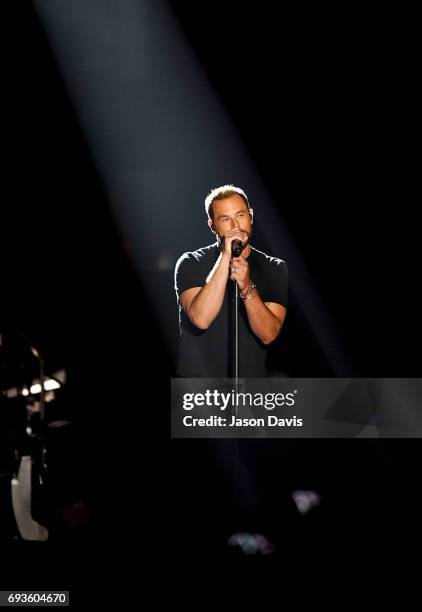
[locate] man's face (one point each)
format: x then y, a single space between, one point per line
231 213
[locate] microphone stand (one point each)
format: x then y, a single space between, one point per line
236 251
236 338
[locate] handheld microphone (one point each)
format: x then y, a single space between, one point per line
237 248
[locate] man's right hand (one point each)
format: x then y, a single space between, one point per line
228 238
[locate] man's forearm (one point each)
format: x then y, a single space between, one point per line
262 321
207 303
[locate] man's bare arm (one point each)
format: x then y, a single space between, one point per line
202 304
265 318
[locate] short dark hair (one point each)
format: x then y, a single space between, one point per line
221 193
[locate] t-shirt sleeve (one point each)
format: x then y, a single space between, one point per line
278 287
188 273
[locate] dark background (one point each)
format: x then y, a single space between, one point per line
326 106
327 109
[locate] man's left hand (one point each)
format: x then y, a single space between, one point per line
239 272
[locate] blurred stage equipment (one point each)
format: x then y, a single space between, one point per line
305 500
24 392
251 543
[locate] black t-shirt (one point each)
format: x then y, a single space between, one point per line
209 353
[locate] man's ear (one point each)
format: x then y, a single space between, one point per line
211 226
251 214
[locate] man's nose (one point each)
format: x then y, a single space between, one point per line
235 224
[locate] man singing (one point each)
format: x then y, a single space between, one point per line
205 286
